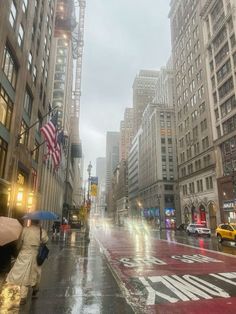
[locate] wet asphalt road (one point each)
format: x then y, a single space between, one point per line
196 241
77 279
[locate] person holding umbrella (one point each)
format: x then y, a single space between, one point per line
10 230
26 271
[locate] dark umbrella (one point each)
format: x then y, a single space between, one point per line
41 215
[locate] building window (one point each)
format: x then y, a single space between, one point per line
34 75
3 156
209 183
224 51
207 160
205 143
163 150
39 123
43 65
10 67
29 64
232 41
199 186
28 101
223 71
12 16
202 108
20 35
6 108
228 106
226 88
229 125
35 154
25 136
25 5
191 188
185 189
169 187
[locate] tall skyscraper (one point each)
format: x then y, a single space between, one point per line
196 157
144 89
126 133
101 174
218 20
133 176
164 93
112 160
158 175
26 30
57 190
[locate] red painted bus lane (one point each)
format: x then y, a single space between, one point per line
160 276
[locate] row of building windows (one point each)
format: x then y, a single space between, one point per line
197 186
197 164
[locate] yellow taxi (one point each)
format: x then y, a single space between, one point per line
226 232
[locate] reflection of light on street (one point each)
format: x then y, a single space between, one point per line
64 236
201 243
170 235
147 247
73 237
9 298
137 243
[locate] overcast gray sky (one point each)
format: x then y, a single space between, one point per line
121 37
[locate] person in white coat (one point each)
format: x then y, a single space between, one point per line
25 272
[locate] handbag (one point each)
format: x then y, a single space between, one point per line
42 251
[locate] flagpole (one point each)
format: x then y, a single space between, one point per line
37 147
30 127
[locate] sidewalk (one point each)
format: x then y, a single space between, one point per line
75 279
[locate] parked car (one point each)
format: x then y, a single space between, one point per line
198 229
226 232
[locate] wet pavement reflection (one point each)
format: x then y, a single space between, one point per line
196 241
76 279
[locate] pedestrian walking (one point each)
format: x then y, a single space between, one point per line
56 228
25 272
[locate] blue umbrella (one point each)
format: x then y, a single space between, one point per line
41 215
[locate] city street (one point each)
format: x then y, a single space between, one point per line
162 276
122 271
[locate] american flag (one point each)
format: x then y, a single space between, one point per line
49 131
56 154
